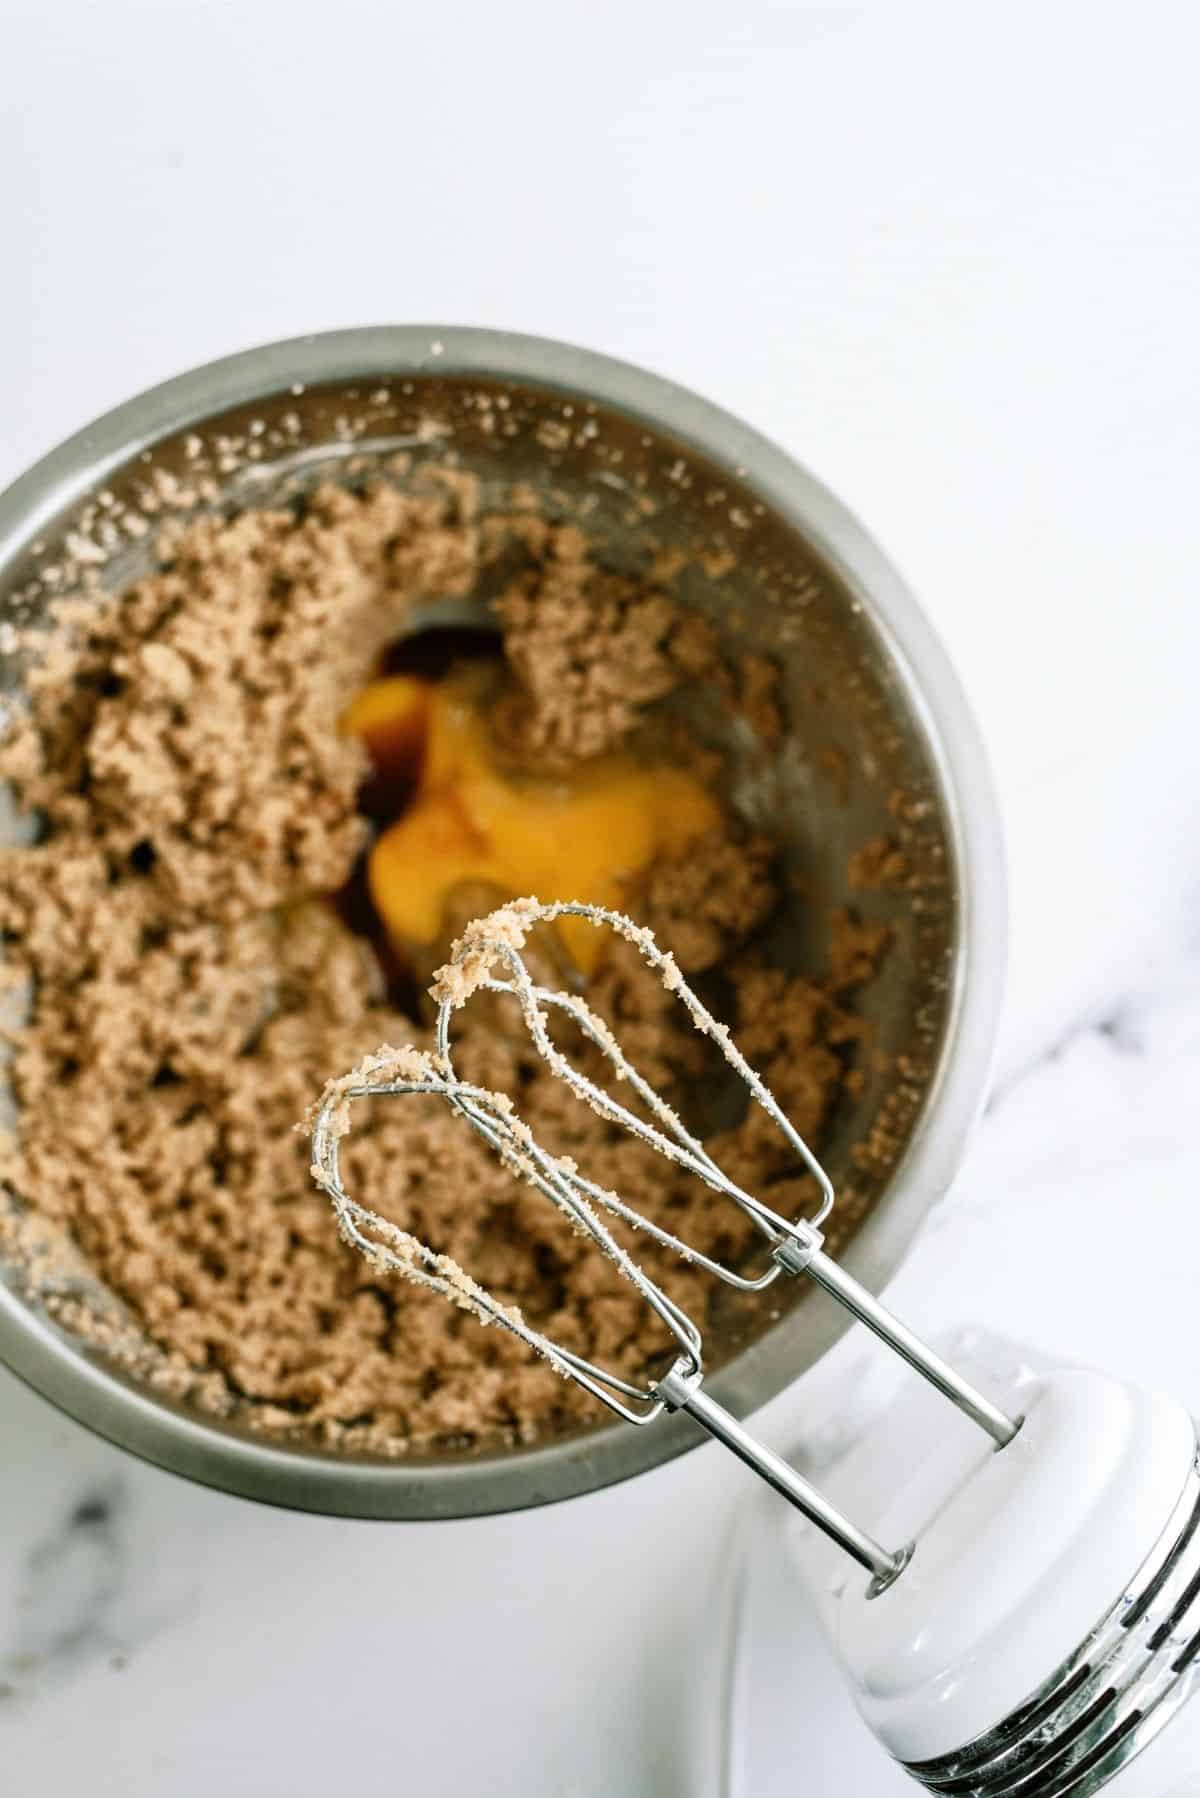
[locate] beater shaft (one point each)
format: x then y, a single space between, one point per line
867 1309
683 1392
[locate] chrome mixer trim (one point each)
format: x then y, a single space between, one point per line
1108 1699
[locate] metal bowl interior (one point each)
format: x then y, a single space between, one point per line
879 740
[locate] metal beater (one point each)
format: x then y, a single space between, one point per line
794 1246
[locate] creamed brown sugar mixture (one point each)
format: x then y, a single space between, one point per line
192 988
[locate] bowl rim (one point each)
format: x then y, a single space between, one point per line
306 1479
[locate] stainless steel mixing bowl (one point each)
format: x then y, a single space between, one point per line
875 711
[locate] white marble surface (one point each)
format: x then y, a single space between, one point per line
949 258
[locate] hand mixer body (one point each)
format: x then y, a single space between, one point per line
1048 1624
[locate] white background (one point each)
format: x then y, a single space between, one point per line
946 255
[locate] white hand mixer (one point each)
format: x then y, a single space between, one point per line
1034 1619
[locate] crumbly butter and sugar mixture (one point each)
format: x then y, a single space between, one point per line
192 989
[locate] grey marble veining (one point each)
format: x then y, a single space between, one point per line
70 1587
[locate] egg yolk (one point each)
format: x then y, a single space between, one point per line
586 835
